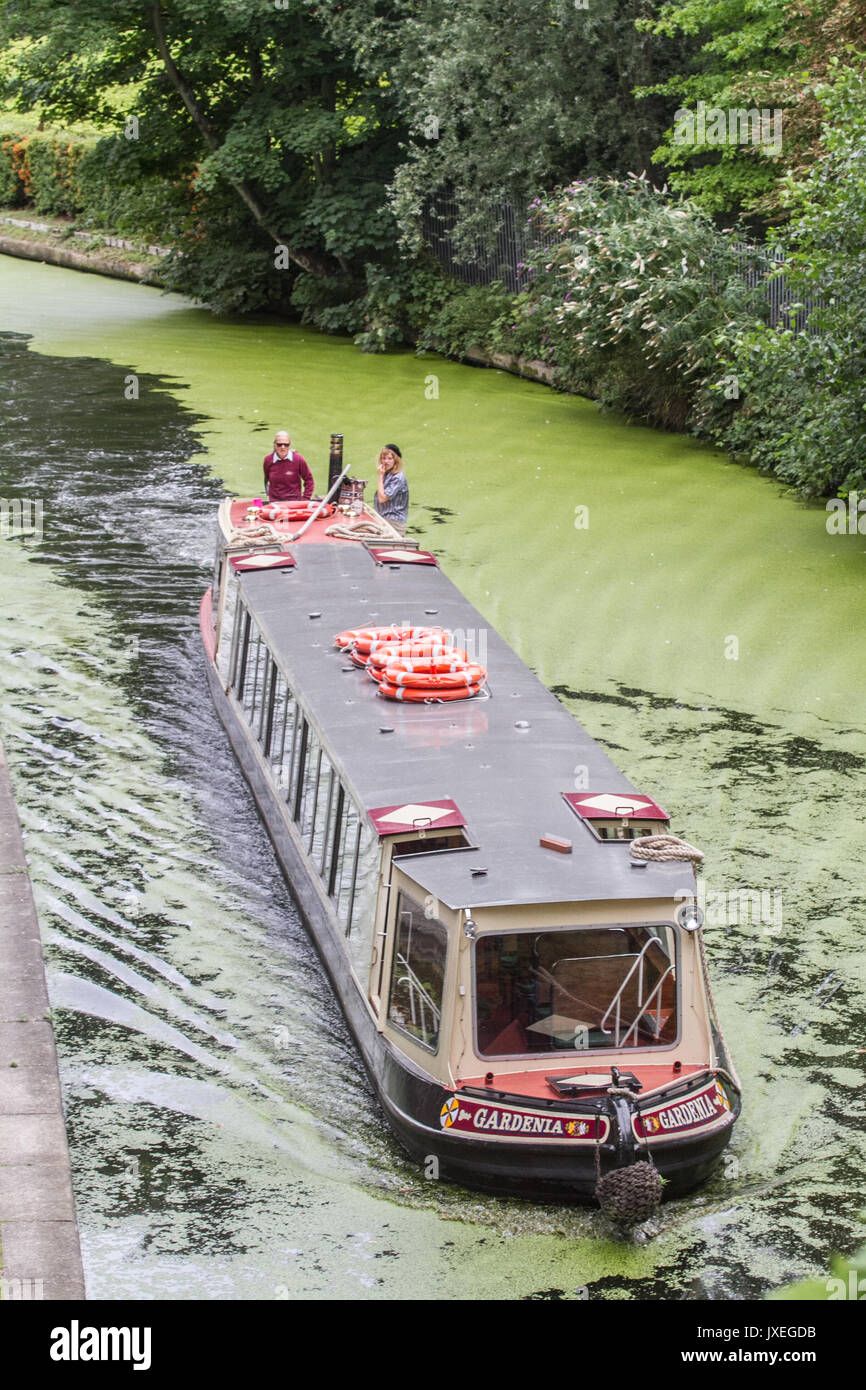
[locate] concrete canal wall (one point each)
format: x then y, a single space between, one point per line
39 1246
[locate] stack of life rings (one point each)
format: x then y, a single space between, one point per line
292 511
413 664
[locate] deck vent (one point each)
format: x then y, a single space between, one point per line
617 817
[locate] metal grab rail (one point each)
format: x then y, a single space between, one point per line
657 987
296 535
417 990
643 1005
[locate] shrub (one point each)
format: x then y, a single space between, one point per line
639 300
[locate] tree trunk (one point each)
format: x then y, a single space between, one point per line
311 261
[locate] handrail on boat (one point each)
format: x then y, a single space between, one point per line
296 535
416 987
650 997
643 1005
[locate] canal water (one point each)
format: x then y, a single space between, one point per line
703 626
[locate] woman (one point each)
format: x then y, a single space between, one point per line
392 493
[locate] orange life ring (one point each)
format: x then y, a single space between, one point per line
453 680
352 634
369 638
426 697
293 511
441 661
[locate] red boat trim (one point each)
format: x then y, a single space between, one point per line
460 1115
703 1110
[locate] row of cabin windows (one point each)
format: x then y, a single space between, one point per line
339 841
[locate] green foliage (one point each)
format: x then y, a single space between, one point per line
98 181
503 97
639 301
54 162
11 185
744 48
805 413
217 258
847 1280
333 304
250 98
471 316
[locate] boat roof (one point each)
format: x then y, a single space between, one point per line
506 759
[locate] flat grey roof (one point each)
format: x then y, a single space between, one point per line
508 782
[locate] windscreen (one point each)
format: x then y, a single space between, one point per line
574 989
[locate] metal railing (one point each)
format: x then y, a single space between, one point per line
643 1005
506 237
420 1001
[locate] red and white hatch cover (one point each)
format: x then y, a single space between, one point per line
415 815
257 560
614 806
401 555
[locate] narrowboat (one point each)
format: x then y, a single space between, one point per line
521 966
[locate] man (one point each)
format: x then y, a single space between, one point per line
286 472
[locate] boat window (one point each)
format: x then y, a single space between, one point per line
290 742
264 707
233 611
417 973
362 903
347 863
575 989
251 679
274 743
320 809
240 649
455 839
307 780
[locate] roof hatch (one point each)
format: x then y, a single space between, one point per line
612 816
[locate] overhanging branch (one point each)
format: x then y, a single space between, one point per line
307 260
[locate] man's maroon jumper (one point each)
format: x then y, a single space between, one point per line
284 477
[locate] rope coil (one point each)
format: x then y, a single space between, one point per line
664 847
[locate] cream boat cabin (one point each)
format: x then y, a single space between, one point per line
528 994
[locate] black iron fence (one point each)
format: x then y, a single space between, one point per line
506 237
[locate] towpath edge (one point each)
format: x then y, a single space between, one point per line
39 1243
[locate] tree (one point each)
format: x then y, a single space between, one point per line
767 56
244 98
805 416
506 97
